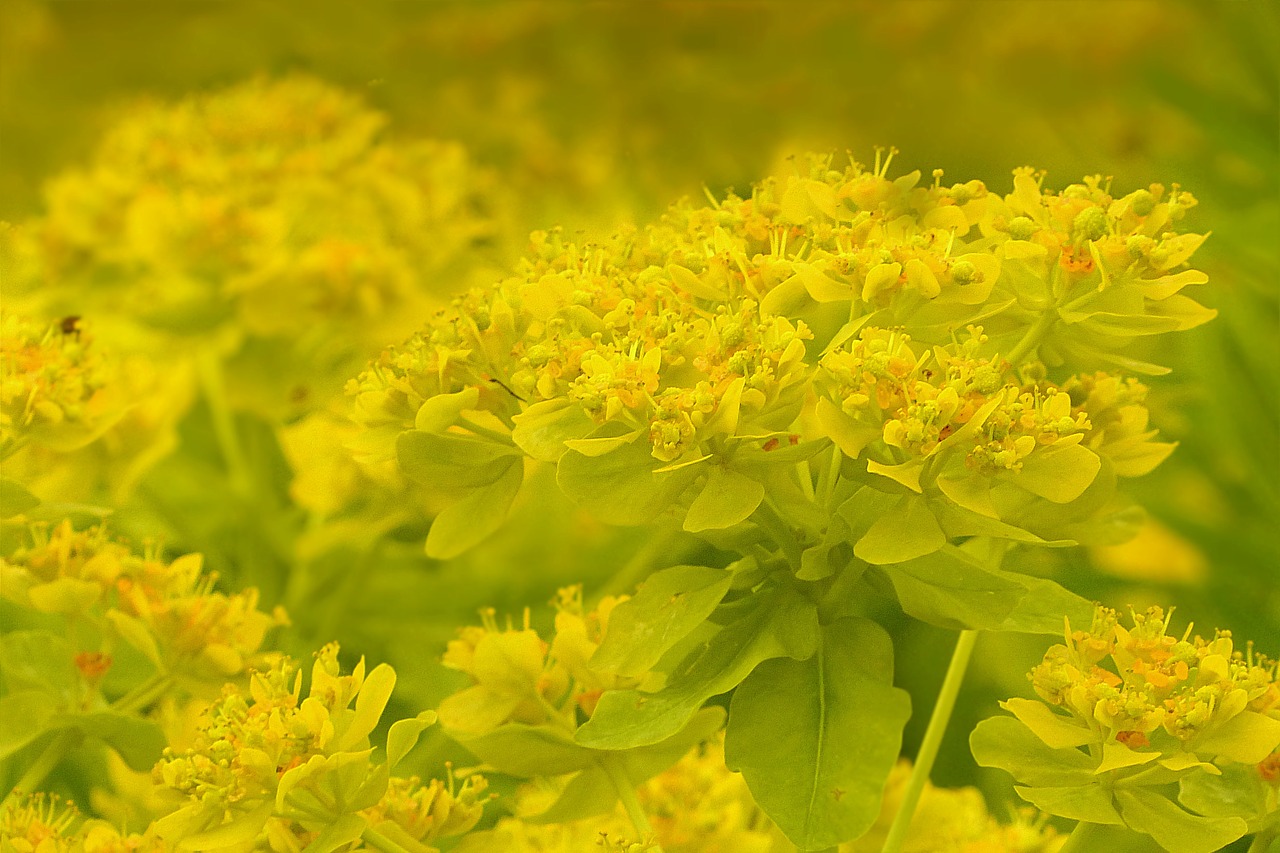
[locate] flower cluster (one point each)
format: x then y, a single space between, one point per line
520 678
1162 686
260 218
55 384
40 823
1129 711
167 610
274 765
705 337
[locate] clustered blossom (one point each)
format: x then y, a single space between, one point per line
519 677
707 336
40 823
273 761
1161 686
168 610
258 219
55 384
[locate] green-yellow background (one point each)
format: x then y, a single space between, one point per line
597 113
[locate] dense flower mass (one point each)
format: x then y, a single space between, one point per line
257 219
166 609
273 766
55 385
944 337
1183 730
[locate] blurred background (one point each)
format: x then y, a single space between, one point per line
588 115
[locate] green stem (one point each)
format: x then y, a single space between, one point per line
1033 337
641 563
1083 839
932 740
143 695
1261 841
491 434
209 371
62 743
617 774
773 523
378 841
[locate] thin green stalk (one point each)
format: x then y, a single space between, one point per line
617 774
1033 337
625 580
62 743
378 841
209 372
768 517
1083 839
143 695
932 740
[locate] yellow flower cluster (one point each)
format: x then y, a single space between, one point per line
41 823
519 677
273 763
1163 692
167 610
55 385
708 329
273 214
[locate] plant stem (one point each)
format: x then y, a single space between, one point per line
378 841
932 740
1033 336
143 695
1083 839
62 743
617 774
209 372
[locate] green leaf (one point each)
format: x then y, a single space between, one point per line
591 792
241 830
1087 803
14 499
950 589
620 487
906 531
542 429
343 831
1174 828
442 411
1057 731
139 742
26 715
816 739
727 499
39 660
669 604
1238 791
1060 473
777 622
447 461
1008 744
1248 737
403 736
371 701
132 630
1042 609
464 524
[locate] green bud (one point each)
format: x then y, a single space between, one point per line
1022 227
1090 224
963 272
1142 202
